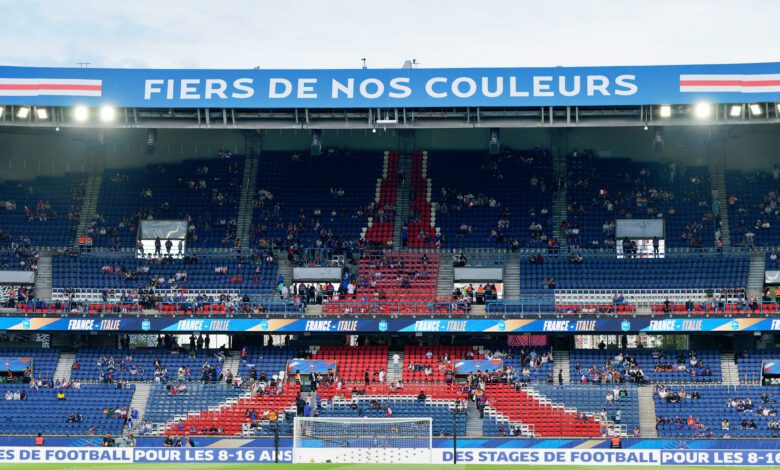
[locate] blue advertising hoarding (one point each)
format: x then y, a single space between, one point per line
305 366
385 88
399 325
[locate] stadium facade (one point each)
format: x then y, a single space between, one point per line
427 265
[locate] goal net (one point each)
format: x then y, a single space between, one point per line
362 440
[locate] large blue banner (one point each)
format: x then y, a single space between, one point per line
310 367
383 88
401 325
15 364
467 367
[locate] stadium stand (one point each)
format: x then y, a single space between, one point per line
716 411
597 402
203 192
492 201
602 189
97 409
753 207
43 212
641 365
152 364
88 278
331 211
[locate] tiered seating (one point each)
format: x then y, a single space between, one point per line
352 363
500 187
393 283
42 212
125 274
543 418
752 202
740 307
205 192
638 190
749 363
401 407
41 307
417 356
419 231
42 412
595 365
231 417
380 231
44 360
293 187
18 261
143 360
540 373
587 400
711 409
163 406
270 360
608 272
438 391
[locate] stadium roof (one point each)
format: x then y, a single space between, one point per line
399 98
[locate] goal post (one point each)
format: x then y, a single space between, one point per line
362 440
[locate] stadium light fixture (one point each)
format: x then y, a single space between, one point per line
702 110
81 113
735 110
107 113
23 112
42 114
755 109
665 111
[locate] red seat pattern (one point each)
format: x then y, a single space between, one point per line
418 355
421 206
64 307
435 391
547 420
353 362
709 309
381 232
233 416
622 309
397 277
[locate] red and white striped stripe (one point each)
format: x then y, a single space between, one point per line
763 83
50 87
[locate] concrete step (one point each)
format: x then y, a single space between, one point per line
561 363
64 366
647 414
755 285
729 370
140 399
394 375
43 277
473 421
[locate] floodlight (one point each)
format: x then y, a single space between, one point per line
665 111
81 113
755 109
735 110
23 112
702 110
42 114
107 113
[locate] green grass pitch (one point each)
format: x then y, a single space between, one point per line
245 466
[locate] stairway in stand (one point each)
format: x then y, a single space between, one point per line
561 363
473 421
43 277
64 366
140 399
647 415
